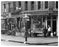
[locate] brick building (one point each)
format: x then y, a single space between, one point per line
41 12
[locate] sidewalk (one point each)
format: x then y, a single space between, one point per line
30 40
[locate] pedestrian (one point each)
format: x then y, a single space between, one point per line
45 31
49 31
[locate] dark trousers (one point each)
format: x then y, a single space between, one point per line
49 33
25 38
45 32
26 33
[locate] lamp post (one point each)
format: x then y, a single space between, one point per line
26 27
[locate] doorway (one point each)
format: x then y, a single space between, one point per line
49 22
54 25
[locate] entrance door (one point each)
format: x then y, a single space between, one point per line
49 22
54 26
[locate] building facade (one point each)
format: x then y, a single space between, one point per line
28 6
42 13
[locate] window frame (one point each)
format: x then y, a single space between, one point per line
46 6
26 5
32 5
19 3
39 4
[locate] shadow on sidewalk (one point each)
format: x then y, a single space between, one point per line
15 41
42 43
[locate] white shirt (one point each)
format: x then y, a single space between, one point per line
49 29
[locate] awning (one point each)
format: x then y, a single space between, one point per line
41 13
37 12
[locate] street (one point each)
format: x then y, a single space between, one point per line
19 41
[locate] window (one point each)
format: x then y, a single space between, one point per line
14 5
4 6
46 4
9 6
56 4
39 4
19 4
32 5
26 5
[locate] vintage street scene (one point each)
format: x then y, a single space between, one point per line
29 23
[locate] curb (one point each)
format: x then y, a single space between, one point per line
15 41
29 43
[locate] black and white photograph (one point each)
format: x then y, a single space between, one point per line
29 23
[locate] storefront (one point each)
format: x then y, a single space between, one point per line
38 21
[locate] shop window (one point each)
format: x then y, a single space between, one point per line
37 21
39 4
32 5
56 4
26 5
46 4
19 4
